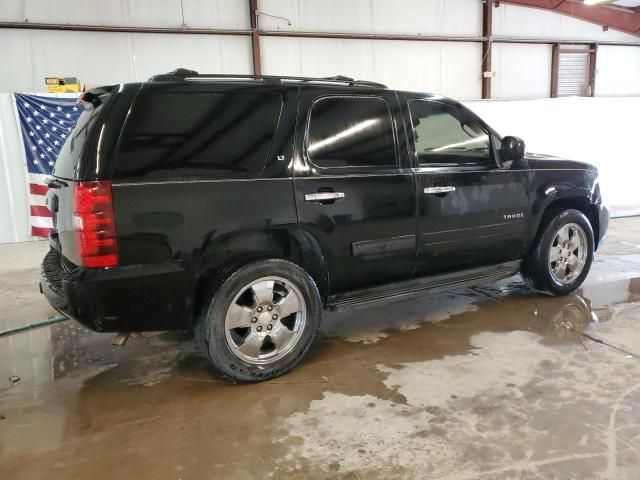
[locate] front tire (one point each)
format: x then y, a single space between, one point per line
260 320
562 253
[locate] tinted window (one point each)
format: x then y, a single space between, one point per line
351 131
443 135
198 134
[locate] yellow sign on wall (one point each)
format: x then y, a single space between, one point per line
62 84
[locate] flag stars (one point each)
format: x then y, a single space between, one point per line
26 105
60 122
50 163
47 135
45 121
38 127
31 133
52 114
75 109
35 114
33 147
59 108
68 115
56 142
42 155
40 141
36 162
49 149
42 107
29 119
54 129
64 135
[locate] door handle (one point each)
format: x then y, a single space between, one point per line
323 196
436 190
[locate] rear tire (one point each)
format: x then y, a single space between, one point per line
562 253
260 320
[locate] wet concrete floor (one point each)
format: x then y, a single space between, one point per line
493 382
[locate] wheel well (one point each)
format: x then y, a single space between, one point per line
287 248
578 203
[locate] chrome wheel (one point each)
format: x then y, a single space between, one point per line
568 253
265 320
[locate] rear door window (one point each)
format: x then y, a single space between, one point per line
351 131
198 133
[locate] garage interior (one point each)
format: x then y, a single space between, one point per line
496 381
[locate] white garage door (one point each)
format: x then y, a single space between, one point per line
573 74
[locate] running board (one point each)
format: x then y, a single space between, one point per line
446 281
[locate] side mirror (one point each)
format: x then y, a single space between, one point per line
511 149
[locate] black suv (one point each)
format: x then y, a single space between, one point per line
241 206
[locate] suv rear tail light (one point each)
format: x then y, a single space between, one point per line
94 224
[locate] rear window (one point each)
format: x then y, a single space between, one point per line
194 133
69 157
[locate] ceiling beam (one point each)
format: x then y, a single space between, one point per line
625 20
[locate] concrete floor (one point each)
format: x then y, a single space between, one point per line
495 382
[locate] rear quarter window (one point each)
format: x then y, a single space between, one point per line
172 134
70 154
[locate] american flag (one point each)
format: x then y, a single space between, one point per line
45 122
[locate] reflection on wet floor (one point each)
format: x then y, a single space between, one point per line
69 349
440 384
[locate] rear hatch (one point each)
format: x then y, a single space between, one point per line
76 195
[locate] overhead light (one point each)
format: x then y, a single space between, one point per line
595 2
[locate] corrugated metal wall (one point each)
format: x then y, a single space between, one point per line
618 71
516 78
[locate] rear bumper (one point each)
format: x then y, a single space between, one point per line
132 298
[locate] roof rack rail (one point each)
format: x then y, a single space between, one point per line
183 74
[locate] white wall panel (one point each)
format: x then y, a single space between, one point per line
150 13
522 71
617 71
515 21
409 17
203 53
102 58
445 68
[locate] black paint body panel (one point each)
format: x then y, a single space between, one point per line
178 229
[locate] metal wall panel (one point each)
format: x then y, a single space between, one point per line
149 13
522 71
446 68
416 17
103 58
617 71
